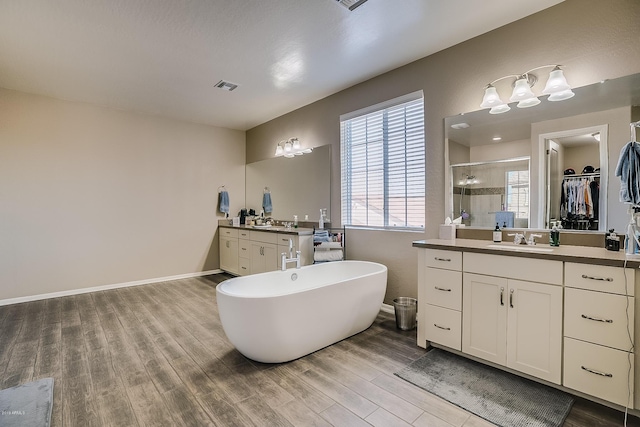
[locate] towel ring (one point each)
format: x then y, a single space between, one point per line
221 188
266 190
634 125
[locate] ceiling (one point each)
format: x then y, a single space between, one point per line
165 56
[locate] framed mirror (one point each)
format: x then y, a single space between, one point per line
605 108
300 185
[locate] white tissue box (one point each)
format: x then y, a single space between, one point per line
447 231
236 221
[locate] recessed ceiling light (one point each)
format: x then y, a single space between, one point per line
462 125
224 85
497 138
351 4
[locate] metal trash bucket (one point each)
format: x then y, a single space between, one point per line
405 309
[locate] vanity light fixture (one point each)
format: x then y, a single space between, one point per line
290 148
557 88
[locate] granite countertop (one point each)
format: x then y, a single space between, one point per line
579 254
272 229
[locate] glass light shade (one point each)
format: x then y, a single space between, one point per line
296 143
500 109
561 96
279 150
307 150
289 155
491 98
556 83
298 153
287 146
521 91
526 103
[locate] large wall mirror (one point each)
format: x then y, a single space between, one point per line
300 185
584 134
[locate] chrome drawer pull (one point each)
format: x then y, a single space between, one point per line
584 316
597 373
501 296
511 298
443 259
604 279
442 289
441 327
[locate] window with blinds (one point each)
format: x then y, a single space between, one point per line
383 165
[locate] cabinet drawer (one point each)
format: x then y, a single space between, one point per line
243 234
264 237
514 267
449 260
598 371
244 266
228 232
598 317
244 248
444 288
283 239
599 278
443 326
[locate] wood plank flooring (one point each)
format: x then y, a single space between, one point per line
156 355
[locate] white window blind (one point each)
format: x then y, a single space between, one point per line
518 193
383 167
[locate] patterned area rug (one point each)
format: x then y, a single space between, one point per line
27 404
495 395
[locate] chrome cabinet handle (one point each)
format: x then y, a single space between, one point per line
602 374
501 296
441 327
511 298
604 279
442 289
584 316
443 259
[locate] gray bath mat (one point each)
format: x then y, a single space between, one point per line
495 395
27 404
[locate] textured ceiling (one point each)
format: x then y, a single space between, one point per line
165 56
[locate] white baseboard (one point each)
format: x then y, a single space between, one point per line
387 308
106 287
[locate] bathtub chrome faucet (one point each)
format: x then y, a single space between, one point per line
285 260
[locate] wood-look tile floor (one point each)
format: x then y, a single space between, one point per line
156 355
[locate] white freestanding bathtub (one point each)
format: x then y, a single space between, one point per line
283 315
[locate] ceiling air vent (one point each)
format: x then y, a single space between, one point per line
351 4
226 85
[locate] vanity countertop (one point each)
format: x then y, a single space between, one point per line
273 229
579 254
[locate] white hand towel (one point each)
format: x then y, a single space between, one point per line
320 256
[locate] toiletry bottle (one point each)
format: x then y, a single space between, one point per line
295 221
504 225
629 241
321 221
497 234
554 235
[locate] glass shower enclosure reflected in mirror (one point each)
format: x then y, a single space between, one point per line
489 193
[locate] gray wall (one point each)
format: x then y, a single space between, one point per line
593 39
91 196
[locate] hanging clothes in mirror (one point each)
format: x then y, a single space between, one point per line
628 169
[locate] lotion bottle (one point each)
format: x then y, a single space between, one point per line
497 234
321 221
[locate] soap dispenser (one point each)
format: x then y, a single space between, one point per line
554 235
497 234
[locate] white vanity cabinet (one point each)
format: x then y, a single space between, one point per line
599 330
512 322
229 250
440 296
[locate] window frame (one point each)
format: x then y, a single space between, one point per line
345 176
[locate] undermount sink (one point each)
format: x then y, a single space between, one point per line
522 248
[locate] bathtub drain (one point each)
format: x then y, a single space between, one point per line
294 276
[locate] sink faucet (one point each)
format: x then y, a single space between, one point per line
521 238
285 260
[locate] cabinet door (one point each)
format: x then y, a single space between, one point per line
484 305
229 254
263 257
534 331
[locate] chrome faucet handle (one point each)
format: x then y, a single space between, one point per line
532 238
518 238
